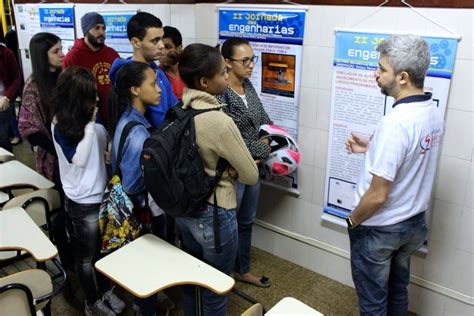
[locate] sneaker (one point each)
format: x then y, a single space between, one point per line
15 141
99 308
115 303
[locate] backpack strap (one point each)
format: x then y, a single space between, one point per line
222 165
123 138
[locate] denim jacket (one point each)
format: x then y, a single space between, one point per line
132 177
154 113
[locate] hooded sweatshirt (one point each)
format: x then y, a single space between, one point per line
98 63
155 114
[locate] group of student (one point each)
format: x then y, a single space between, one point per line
75 108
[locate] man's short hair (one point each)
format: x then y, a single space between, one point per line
140 22
408 53
174 34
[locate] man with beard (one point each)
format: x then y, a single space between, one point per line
90 52
394 189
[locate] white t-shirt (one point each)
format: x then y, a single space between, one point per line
404 150
84 179
244 99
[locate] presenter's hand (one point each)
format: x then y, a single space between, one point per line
356 144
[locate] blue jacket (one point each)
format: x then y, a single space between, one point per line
155 113
132 178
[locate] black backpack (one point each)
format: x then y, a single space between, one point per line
173 169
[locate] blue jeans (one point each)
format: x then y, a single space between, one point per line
380 262
86 243
5 117
13 121
198 240
247 200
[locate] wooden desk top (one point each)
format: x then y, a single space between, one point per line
19 232
149 265
291 306
16 174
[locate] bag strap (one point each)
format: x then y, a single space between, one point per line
123 138
222 165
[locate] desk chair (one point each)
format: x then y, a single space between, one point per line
25 292
40 206
5 155
254 310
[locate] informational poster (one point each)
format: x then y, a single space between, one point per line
276 34
357 105
32 24
116 30
52 18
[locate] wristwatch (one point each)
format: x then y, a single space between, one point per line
349 222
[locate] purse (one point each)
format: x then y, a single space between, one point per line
117 222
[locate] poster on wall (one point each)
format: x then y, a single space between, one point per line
357 105
116 30
51 18
276 34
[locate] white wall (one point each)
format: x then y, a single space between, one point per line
450 262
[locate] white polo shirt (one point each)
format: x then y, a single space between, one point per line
404 150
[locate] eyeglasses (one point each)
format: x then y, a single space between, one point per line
247 61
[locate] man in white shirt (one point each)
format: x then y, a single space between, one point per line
394 188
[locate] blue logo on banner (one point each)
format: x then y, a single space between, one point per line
263 26
56 17
358 50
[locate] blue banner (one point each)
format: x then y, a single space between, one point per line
358 50
56 17
262 26
116 25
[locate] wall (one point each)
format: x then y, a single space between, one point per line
291 227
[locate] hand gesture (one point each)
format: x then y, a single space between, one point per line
356 144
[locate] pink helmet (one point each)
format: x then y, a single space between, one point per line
285 154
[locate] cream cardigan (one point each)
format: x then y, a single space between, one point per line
218 136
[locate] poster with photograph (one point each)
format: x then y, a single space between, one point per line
357 105
276 34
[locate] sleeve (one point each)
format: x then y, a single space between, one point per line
388 149
38 139
28 121
265 119
84 147
257 148
171 96
231 147
132 179
13 71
